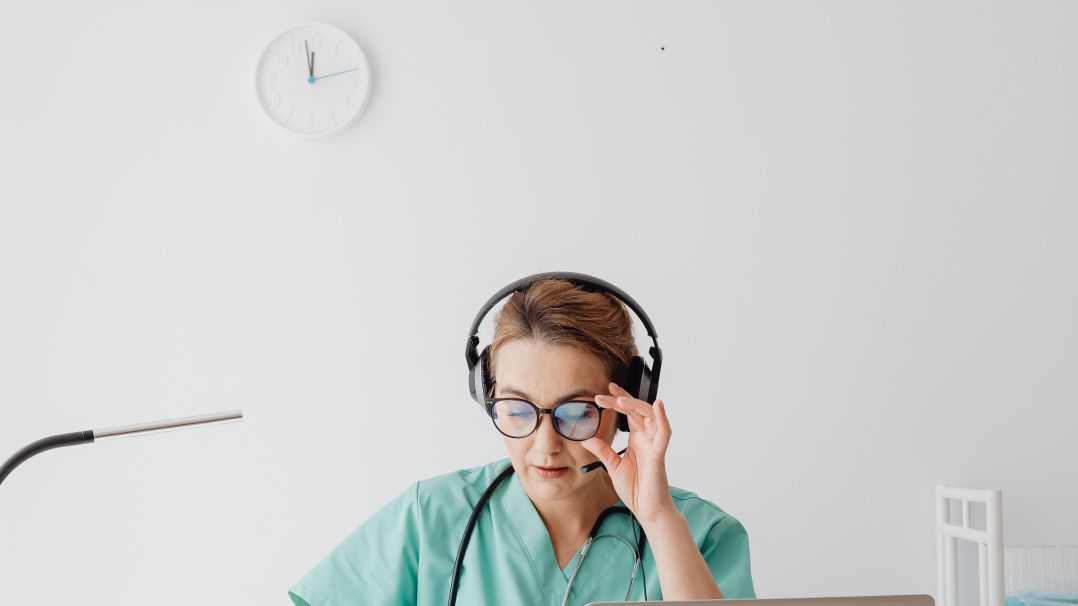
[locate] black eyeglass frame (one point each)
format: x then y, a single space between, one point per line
539 412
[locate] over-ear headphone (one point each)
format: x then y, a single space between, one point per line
641 380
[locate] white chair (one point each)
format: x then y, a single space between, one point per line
989 543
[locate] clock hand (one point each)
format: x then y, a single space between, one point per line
333 74
310 62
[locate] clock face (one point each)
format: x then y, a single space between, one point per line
313 80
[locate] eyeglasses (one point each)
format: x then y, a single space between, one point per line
575 420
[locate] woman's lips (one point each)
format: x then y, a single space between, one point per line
550 473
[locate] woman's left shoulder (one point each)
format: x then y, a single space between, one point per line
723 542
701 513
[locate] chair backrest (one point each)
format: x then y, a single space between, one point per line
989 543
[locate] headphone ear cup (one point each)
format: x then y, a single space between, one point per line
635 385
488 380
479 380
634 379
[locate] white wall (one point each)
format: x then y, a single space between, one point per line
854 225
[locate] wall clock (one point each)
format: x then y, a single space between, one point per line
313 80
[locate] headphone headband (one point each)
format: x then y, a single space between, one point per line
590 283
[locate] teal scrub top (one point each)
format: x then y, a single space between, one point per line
404 553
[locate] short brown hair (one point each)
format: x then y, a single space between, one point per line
559 312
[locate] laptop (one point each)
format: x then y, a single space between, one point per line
872 600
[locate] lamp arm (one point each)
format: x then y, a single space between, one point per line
57 441
90 435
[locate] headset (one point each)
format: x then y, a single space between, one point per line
641 380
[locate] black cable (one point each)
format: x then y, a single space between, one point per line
57 441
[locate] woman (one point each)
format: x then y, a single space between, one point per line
563 345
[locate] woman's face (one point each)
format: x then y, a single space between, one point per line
546 375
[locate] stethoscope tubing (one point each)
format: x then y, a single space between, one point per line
637 551
469 527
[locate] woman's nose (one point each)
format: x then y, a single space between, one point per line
547 439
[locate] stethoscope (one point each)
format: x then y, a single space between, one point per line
593 536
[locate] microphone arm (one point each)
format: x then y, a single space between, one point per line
590 467
91 435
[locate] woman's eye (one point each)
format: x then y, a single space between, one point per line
574 415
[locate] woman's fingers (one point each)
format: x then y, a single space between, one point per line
632 403
643 417
636 420
662 423
661 420
607 455
625 403
606 401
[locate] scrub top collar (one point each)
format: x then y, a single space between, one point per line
522 516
